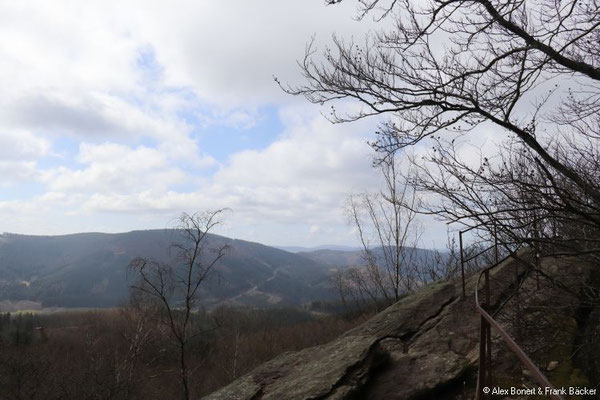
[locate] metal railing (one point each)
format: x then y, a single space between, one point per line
484 376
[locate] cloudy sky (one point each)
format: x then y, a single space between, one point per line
119 115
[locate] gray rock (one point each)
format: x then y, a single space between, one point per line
422 344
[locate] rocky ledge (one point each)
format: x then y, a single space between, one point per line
424 346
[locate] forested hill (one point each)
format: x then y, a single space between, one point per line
90 270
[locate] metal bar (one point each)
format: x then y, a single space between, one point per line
488 357
496 242
539 377
462 265
488 336
482 375
480 253
537 267
482 363
488 301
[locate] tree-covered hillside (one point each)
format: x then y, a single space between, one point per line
90 270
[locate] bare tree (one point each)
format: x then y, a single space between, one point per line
389 234
495 54
440 69
518 197
174 287
446 265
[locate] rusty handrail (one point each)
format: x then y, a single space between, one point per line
487 321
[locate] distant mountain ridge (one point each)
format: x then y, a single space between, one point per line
90 270
335 247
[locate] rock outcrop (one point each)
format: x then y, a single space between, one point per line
423 347
423 344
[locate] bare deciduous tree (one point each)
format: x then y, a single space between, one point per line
174 287
495 55
389 235
517 196
441 69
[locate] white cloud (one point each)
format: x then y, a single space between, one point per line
297 184
301 175
308 171
229 51
92 114
14 172
74 62
22 145
114 168
310 151
65 45
19 151
127 80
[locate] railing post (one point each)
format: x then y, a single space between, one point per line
484 377
488 306
487 290
536 248
496 242
462 265
481 376
537 269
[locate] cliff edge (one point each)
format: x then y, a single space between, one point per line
424 346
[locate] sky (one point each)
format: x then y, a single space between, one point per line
120 115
